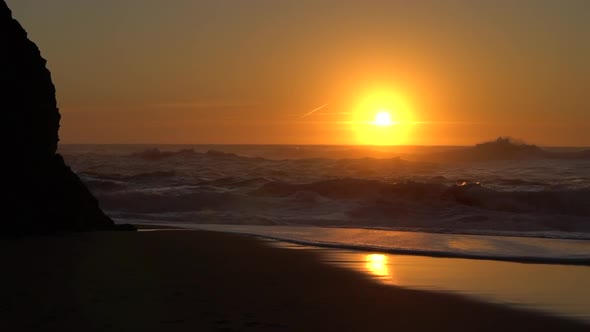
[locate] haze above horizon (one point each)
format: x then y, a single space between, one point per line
316 72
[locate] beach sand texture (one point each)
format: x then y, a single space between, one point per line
177 280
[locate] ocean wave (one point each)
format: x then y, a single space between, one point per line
161 202
155 154
519 182
214 184
350 188
141 176
566 202
235 182
386 199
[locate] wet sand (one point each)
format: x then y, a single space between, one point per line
177 280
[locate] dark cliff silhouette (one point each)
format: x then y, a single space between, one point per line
42 193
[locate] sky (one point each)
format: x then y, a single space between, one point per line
253 72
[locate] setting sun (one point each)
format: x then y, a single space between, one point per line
382 118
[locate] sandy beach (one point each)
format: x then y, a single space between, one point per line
177 280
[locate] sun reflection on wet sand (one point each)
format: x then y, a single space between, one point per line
559 289
377 265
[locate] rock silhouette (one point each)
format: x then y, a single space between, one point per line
503 148
42 194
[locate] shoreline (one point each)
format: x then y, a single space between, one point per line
499 233
179 280
573 261
432 254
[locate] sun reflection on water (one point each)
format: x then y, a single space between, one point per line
377 265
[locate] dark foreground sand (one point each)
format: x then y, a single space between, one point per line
201 281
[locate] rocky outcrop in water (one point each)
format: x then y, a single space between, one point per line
41 192
503 148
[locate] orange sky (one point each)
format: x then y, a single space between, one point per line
221 71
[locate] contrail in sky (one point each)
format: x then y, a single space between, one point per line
315 110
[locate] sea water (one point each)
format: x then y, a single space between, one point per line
434 189
435 205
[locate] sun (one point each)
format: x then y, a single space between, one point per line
382 118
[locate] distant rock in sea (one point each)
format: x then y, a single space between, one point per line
41 193
503 148
506 148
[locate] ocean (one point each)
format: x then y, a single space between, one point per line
428 189
450 208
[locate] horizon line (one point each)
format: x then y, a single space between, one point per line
319 144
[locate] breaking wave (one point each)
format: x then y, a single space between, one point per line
247 185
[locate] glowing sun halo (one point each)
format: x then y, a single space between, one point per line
382 118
